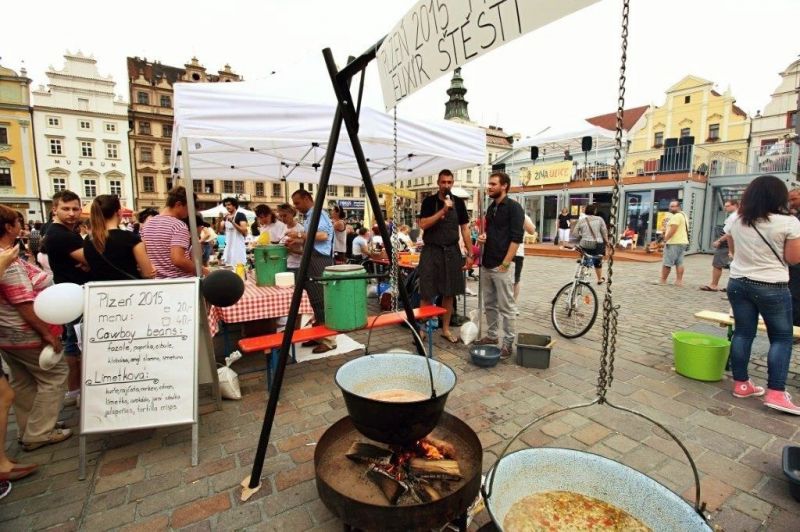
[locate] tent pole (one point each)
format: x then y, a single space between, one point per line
342 89
254 481
206 349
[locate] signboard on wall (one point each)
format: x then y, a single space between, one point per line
547 174
437 36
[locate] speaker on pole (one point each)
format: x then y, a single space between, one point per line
586 143
534 153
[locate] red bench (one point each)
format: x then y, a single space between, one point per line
271 343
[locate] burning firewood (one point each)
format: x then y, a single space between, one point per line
427 492
368 453
392 488
435 469
447 449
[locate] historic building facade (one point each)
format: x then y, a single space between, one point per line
81 133
19 187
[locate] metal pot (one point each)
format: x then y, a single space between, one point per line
393 422
536 470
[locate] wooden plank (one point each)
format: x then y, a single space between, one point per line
723 319
271 341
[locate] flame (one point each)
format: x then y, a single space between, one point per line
429 451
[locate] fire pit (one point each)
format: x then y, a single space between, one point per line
357 479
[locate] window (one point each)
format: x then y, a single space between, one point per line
791 119
148 183
89 188
310 187
83 104
3 135
227 187
59 184
86 125
111 127
56 147
144 128
348 192
197 186
208 187
112 150
685 132
168 182
166 101
5 177
469 176
53 121
238 186
687 99
166 131
142 98
362 191
146 154
713 132
334 190
260 189
87 148
115 187
167 155
276 189
430 179
658 140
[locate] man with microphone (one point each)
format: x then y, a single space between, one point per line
442 217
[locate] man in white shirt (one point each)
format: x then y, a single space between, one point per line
722 258
360 246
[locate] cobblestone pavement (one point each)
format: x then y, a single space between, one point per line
143 480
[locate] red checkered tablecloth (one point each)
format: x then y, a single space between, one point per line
257 303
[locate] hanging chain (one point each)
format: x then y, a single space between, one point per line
394 273
610 312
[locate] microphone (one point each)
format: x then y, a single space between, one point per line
447 197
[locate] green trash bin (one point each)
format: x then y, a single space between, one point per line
269 260
700 356
345 299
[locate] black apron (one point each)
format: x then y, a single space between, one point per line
441 263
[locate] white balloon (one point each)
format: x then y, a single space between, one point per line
59 304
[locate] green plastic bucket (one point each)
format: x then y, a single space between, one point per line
345 299
700 356
269 260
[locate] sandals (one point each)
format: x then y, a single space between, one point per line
706 288
450 337
601 281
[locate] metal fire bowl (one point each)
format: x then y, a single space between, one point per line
359 503
530 471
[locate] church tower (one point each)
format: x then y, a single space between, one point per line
456 106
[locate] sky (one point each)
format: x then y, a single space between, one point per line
553 76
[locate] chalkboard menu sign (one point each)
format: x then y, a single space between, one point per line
139 354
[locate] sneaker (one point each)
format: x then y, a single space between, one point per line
72 398
56 436
5 488
746 389
486 341
781 400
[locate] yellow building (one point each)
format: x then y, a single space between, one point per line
694 114
18 181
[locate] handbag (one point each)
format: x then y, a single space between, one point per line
600 242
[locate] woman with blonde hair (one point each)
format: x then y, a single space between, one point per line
114 254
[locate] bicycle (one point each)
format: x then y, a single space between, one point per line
574 307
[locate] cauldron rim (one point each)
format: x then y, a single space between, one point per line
401 355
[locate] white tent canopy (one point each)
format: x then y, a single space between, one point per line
234 131
220 210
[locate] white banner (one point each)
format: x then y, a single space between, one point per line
437 36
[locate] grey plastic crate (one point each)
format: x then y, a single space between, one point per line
533 350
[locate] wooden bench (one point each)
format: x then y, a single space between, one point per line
723 319
271 343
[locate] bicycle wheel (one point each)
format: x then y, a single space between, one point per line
573 312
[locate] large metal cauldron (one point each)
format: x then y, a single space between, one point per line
393 422
530 471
